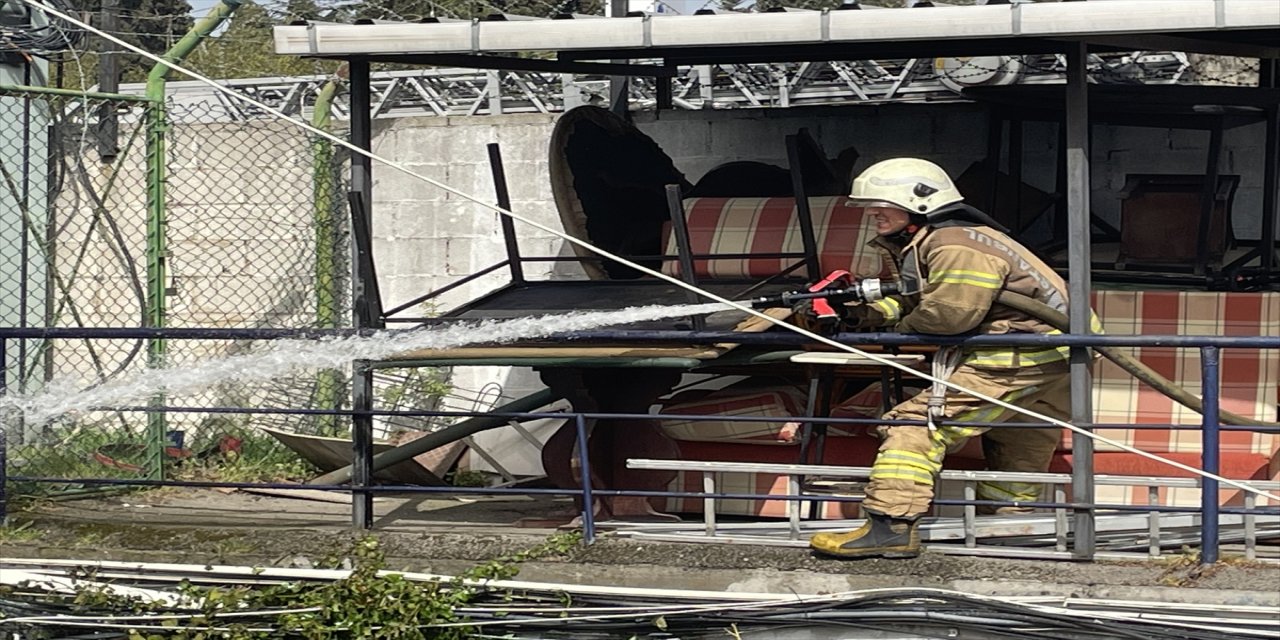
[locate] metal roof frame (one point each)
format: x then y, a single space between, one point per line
1249 28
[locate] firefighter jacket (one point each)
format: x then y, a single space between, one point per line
950 274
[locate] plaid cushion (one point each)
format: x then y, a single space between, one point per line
727 405
1250 379
724 405
1250 385
769 225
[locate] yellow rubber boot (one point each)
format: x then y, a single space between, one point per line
880 536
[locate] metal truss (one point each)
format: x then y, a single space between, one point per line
471 92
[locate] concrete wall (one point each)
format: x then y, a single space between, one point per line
955 136
241 245
425 238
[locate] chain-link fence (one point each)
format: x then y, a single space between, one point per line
119 213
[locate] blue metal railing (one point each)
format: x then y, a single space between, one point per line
1209 463
1209 346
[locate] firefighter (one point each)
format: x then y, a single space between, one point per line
953 261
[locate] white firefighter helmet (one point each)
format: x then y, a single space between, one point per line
918 186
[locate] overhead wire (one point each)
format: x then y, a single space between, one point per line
658 274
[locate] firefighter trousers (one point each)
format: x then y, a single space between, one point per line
910 457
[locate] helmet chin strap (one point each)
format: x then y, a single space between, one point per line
903 236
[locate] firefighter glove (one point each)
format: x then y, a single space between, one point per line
808 317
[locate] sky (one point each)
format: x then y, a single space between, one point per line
201 7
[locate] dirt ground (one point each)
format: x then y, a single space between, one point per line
448 535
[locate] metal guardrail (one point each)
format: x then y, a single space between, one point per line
796 474
1209 508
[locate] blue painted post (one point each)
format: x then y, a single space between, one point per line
588 503
1209 456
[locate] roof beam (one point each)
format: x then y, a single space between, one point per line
1238 21
824 52
504 63
1160 42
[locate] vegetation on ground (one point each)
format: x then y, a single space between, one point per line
369 602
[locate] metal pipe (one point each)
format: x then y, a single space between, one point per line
1015 173
324 189
155 91
71 93
24 230
619 86
803 214
440 438
108 82
367 307
4 477
1079 252
157 222
361 475
1209 444
1270 181
53 140
366 303
504 201
995 149
475 275
588 500
1208 197
668 337
680 229
1141 508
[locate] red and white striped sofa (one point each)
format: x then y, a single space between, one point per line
1250 378
768 225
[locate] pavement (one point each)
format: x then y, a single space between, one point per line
448 535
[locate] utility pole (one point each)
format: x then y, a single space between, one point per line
108 82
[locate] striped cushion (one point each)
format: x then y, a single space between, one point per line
727 405
1250 386
769 225
1250 378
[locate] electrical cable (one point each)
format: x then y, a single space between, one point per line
1244 486
42 39
897 610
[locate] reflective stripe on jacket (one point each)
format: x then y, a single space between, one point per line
951 274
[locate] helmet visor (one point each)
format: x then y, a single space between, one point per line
871 204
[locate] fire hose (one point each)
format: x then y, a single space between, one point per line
840 287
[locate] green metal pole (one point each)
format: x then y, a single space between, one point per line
328 384
157 251
70 93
